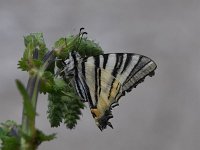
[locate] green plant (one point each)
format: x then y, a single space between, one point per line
64 104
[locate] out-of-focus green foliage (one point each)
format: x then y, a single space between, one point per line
9 135
64 104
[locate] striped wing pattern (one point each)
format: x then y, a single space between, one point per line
103 79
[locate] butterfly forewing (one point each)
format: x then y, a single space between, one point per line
128 68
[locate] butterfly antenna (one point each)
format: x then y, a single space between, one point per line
80 31
80 37
77 39
80 34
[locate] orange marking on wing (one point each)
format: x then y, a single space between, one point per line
96 112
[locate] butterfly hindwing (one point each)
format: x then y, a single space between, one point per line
104 90
109 76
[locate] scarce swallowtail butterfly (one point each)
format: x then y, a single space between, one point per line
101 80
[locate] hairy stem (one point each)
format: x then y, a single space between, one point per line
28 125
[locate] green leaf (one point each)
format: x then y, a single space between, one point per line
46 82
9 135
60 47
41 137
55 113
89 48
34 41
71 110
29 110
77 43
60 43
64 104
60 85
10 143
29 65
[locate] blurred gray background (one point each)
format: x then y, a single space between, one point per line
162 113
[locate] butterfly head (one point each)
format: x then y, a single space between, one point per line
71 62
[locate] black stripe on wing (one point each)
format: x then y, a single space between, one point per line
127 62
145 66
83 69
118 64
140 64
105 60
96 61
82 88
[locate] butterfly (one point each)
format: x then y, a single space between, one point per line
102 80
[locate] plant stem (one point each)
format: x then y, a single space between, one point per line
28 125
